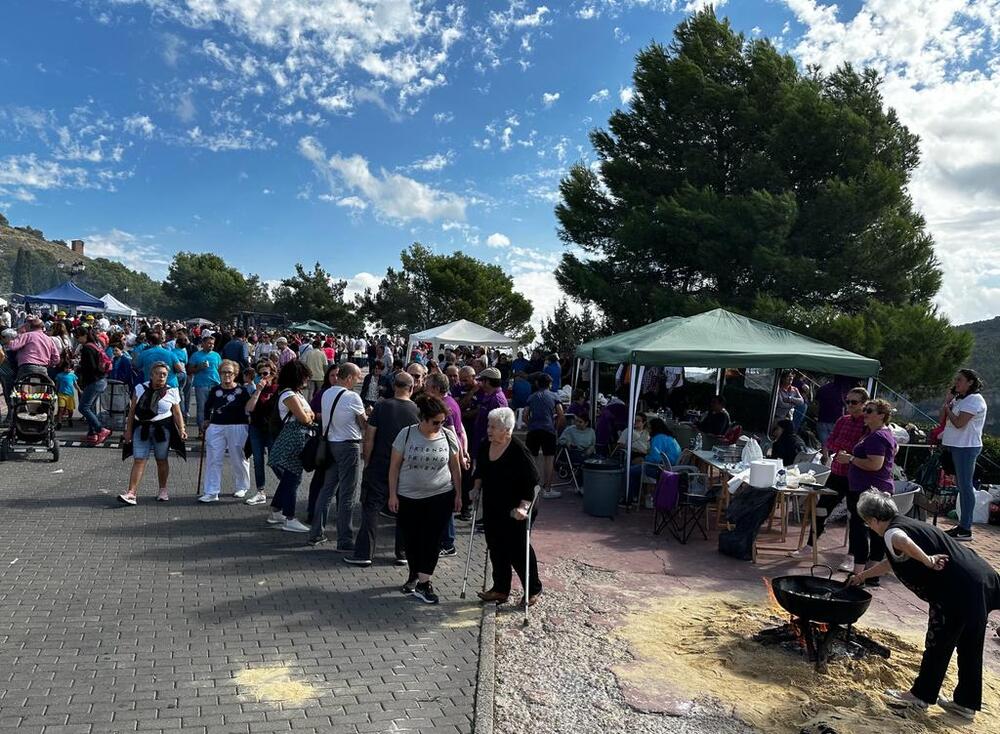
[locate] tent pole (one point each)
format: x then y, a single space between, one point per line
633 389
576 374
774 400
594 372
872 386
719 378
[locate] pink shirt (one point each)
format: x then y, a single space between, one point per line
285 356
35 348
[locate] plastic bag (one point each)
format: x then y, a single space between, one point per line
751 452
981 513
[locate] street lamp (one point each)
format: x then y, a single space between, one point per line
74 268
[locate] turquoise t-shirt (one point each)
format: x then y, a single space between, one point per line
663 444
150 356
210 375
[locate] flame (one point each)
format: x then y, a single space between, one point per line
770 595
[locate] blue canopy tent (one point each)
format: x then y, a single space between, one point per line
67 294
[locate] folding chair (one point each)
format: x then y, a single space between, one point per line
691 512
665 498
566 469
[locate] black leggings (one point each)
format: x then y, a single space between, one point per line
827 502
946 631
421 523
506 538
864 544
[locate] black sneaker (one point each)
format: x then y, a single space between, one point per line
408 587
318 540
874 581
351 560
963 535
464 516
402 562
448 552
425 592
345 549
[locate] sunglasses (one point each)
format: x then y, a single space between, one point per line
437 423
869 411
264 373
226 372
853 402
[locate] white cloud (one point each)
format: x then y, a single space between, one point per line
139 125
173 46
498 240
443 118
29 172
391 195
434 162
350 202
184 107
137 252
625 94
620 35
931 57
549 98
600 95
227 140
356 284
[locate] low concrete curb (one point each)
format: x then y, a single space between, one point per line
487 675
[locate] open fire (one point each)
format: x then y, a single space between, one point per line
820 642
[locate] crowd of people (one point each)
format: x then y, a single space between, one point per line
422 441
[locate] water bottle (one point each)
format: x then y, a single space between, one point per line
697 442
780 483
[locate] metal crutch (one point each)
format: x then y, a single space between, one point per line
527 553
472 537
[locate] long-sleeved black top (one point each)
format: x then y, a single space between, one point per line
508 481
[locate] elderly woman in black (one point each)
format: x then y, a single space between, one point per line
506 476
961 589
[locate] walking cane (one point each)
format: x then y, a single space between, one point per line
472 537
527 553
201 463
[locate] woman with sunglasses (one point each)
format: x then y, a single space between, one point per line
226 427
869 466
844 436
425 487
964 415
260 406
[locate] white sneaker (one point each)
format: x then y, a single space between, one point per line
294 526
847 566
954 708
258 499
276 518
806 551
551 494
209 498
240 494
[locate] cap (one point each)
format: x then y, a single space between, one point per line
490 373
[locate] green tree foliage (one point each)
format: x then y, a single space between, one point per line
316 295
733 177
434 289
564 332
202 285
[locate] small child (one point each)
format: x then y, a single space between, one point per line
66 392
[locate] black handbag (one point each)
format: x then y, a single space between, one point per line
316 452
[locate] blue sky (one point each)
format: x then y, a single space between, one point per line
341 131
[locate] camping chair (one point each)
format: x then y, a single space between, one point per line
690 512
567 467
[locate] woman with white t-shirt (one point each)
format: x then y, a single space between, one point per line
149 428
285 457
964 415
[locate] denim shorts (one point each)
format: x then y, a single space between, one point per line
141 449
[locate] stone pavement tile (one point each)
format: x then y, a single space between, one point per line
140 618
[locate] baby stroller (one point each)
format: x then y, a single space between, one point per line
33 407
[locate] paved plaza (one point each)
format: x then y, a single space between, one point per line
184 617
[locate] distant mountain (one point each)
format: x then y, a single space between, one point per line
985 359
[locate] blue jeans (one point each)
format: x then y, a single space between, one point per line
200 398
284 496
184 383
260 443
965 468
448 536
88 402
635 475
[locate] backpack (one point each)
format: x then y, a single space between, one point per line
104 363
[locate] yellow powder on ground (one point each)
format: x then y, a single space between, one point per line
700 645
274 684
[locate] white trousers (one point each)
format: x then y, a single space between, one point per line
219 439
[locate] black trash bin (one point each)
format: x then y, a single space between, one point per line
602 486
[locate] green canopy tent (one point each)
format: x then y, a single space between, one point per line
718 339
311 327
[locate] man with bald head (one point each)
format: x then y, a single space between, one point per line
388 418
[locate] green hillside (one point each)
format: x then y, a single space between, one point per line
985 360
29 264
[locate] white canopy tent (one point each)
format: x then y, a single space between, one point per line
112 307
460 332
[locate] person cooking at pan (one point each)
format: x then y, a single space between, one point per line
961 589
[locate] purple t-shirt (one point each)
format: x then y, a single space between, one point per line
879 443
454 419
485 403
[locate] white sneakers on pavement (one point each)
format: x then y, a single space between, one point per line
294 526
258 499
275 518
240 494
209 498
